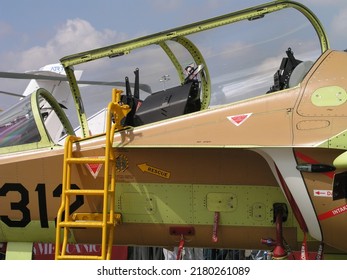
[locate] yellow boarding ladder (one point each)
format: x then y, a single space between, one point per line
107 220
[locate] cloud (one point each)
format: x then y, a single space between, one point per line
324 2
75 35
5 29
336 29
339 23
168 5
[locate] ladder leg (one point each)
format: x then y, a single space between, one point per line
66 179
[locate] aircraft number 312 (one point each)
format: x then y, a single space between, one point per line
22 204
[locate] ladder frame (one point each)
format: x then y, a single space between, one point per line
65 219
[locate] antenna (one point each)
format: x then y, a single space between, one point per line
137 84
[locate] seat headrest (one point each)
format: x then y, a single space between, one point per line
299 73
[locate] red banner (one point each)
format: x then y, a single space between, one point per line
337 211
46 251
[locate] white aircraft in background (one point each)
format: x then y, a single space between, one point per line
53 78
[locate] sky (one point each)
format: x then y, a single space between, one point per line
39 32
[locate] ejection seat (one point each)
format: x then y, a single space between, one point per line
164 104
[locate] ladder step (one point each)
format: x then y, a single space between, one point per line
86 160
79 257
83 224
86 192
96 217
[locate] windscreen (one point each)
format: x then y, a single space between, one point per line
17 125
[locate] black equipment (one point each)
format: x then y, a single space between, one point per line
163 104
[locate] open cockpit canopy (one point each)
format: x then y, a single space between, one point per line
239 53
225 59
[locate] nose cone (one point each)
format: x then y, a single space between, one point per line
341 161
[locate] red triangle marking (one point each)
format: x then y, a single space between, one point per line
239 119
94 168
